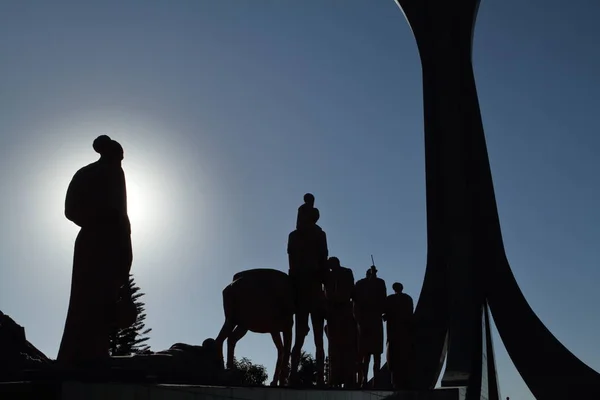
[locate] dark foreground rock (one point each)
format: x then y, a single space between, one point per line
181 363
16 353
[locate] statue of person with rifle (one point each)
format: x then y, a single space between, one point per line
369 301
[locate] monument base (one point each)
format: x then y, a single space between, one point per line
125 391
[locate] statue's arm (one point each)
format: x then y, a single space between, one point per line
73 202
325 248
290 252
123 185
386 307
383 296
324 256
127 270
351 282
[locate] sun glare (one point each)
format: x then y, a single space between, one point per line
148 171
136 203
155 166
145 204
145 199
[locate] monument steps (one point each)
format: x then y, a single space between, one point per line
72 390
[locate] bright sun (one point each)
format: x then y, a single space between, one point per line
144 203
135 203
151 184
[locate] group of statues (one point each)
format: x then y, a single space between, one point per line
354 312
316 287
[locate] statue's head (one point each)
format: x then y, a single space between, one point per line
372 272
209 344
109 150
397 287
333 262
309 199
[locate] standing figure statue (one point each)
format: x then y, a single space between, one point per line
305 211
307 254
400 354
369 301
342 333
97 202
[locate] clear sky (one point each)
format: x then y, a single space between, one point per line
229 111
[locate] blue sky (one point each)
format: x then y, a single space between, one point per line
230 111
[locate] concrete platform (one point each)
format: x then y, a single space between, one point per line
122 391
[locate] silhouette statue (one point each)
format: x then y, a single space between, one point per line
97 202
261 301
305 211
341 330
398 313
307 254
369 302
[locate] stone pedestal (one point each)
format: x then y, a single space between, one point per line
123 391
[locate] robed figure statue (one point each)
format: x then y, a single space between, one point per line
97 202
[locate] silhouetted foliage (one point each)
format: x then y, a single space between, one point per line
307 370
132 340
251 374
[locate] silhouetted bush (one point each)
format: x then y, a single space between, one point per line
132 340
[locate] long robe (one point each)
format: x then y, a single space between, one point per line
307 251
400 339
97 202
369 303
341 327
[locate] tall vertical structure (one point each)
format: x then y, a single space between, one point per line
467 268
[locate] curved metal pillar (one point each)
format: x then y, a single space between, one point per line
467 264
492 375
444 42
483 381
